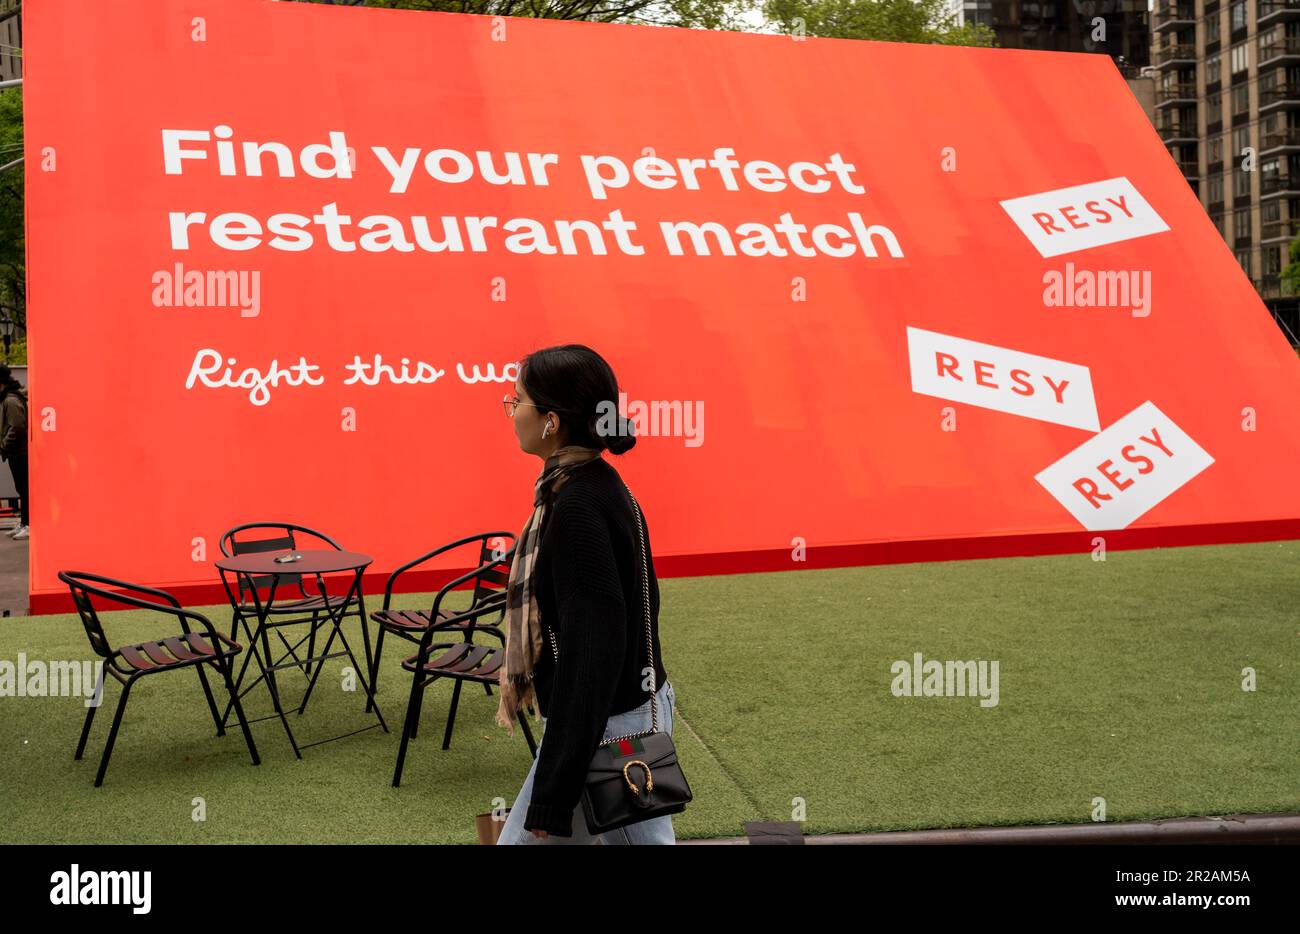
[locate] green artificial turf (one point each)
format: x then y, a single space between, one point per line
1119 679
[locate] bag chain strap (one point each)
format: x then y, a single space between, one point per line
649 641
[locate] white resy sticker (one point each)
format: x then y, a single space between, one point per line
1001 379
1084 216
1116 476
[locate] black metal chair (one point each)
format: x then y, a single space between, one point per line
411 624
128 663
244 539
462 660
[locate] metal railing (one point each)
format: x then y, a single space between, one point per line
1267 8
1276 139
1274 287
1270 184
1176 92
1170 130
1173 13
1278 94
1287 45
1171 53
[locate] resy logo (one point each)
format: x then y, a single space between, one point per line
1085 216
1120 474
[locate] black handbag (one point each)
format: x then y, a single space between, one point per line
636 776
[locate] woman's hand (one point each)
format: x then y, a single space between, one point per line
540 834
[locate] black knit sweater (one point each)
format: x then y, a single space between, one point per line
588 587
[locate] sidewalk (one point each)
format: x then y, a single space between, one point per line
13 572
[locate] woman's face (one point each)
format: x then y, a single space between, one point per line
530 421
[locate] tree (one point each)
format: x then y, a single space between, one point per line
1290 277
889 20
699 14
924 21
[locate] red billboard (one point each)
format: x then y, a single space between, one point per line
937 302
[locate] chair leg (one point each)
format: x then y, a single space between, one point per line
85 732
112 733
451 716
528 734
374 667
417 689
487 687
90 715
212 705
372 662
419 711
224 667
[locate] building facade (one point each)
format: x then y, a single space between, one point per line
1228 109
11 40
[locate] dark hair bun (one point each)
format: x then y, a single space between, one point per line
624 441
578 384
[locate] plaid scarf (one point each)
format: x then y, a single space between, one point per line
523 623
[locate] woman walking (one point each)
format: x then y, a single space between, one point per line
575 622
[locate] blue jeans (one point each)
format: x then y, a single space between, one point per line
655 830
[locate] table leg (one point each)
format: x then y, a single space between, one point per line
311 685
370 659
337 621
236 618
334 630
263 613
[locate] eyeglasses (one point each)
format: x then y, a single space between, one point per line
511 402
